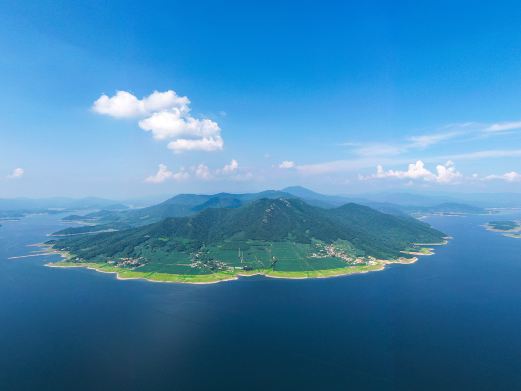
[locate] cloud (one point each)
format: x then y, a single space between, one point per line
163 174
203 172
415 171
121 105
17 173
286 164
230 168
457 132
167 116
348 165
462 132
200 171
396 148
445 173
503 126
421 141
511 176
173 123
207 144
427 140
126 105
230 171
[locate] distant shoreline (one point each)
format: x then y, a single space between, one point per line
514 233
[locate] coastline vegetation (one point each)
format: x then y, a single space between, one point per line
214 277
509 228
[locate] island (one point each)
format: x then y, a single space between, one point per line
10 215
275 237
508 228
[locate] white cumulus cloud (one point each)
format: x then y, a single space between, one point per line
203 172
125 105
445 173
229 171
167 116
207 144
16 173
230 168
286 164
163 174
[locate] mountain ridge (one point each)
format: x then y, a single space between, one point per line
273 220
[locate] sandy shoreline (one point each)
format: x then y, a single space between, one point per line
233 277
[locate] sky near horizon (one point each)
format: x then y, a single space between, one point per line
123 99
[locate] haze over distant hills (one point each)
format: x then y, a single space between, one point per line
412 199
484 200
59 203
188 204
177 206
140 211
17 208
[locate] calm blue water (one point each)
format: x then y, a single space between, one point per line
449 322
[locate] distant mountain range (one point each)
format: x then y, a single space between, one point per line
177 206
58 203
190 204
17 208
391 201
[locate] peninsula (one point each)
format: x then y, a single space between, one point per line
223 239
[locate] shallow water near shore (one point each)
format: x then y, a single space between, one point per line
450 321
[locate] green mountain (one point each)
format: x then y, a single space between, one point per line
280 234
189 204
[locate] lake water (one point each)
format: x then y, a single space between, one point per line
449 322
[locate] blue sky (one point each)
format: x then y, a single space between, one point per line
342 97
